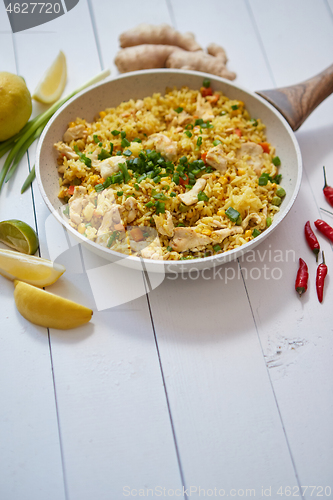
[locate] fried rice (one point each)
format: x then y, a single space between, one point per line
183 175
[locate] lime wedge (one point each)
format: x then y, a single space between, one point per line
19 235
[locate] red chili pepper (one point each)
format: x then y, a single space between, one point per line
301 284
324 228
328 191
322 270
311 239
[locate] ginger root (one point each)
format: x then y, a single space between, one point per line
199 61
158 35
148 47
143 57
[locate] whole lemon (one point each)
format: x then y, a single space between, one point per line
15 104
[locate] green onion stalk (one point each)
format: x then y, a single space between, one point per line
19 143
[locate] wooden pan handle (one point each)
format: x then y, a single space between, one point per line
295 103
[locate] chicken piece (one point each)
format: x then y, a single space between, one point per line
191 196
74 133
110 218
217 159
105 200
178 119
164 224
153 251
249 217
66 150
131 205
204 110
186 238
224 233
254 151
109 166
76 204
165 146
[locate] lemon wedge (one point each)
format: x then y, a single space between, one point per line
53 82
28 268
19 235
46 309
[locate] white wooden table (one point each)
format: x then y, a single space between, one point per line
215 387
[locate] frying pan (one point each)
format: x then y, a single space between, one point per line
281 110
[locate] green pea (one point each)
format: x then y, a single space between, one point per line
276 201
280 192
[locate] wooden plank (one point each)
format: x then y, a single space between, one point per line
113 412
297 343
30 455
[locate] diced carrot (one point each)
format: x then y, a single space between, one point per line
265 146
97 214
203 156
238 132
205 91
119 227
212 98
182 182
101 180
137 234
71 190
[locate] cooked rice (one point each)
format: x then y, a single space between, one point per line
237 187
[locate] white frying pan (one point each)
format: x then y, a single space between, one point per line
294 103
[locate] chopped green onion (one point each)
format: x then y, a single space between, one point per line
150 204
99 187
169 249
188 133
159 196
180 224
66 211
112 238
128 152
125 143
277 178
199 121
255 232
123 168
223 113
175 178
234 107
137 187
216 142
280 192
179 110
232 214
268 221
216 248
83 157
206 83
160 207
183 208
202 196
111 148
115 132
120 193
276 161
254 122
189 126
103 155
199 141
172 195
276 201
96 139
100 144
137 140
263 179
123 134
118 153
